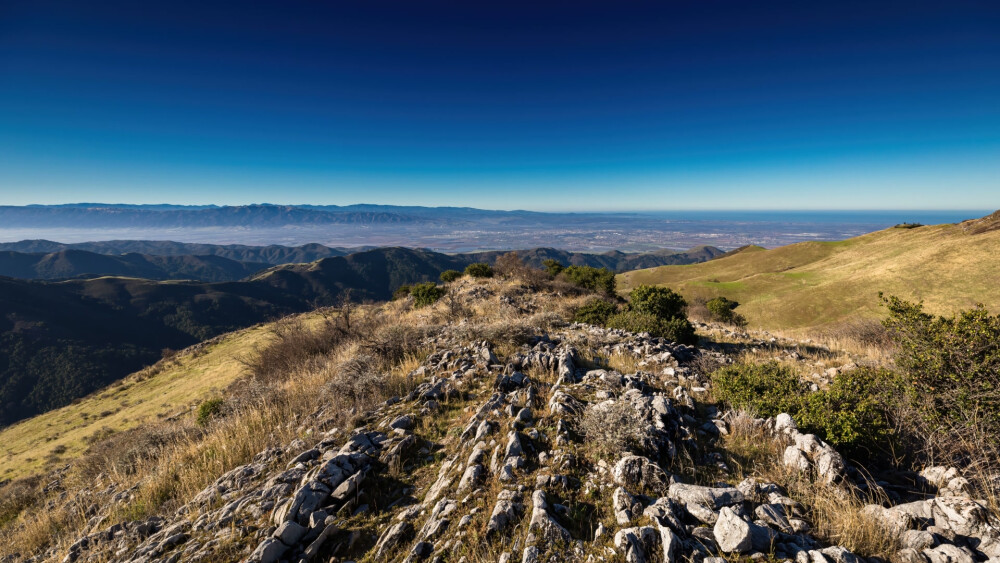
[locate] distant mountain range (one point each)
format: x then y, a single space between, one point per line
61 340
167 260
163 216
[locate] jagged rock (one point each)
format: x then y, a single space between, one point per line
917 539
785 423
795 458
269 551
774 515
626 506
313 550
290 533
838 554
637 543
404 422
732 533
968 518
639 472
704 503
393 538
542 521
505 511
948 553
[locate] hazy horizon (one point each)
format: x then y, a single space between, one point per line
582 107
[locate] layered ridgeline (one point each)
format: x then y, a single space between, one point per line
818 285
60 341
486 427
167 260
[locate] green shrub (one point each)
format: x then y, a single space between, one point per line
479 270
449 276
426 293
855 412
766 389
722 310
402 292
953 363
636 321
658 301
208 410
680 330
594 279
595 312
553 267
677 330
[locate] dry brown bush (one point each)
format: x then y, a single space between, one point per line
613 428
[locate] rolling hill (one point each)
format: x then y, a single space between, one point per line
815 285
76 263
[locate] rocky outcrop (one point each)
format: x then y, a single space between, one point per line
485 459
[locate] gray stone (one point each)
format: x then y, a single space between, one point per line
948 553
269 551
290 533
732 533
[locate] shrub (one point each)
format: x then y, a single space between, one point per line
595 312
594 279
635 321
723 311
766 389
954 362
658 301
855 412
426 293
553 267
614 428
680 330
402 292
449 276
294 344
209 410
509 265
479 270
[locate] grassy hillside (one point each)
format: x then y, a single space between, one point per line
156 393
814 285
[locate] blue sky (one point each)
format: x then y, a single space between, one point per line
560 106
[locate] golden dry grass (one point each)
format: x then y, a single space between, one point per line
810 286
834 512
172 388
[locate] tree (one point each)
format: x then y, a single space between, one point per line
426 293
591 278
659 301
479 270
449 276
722 310
553 267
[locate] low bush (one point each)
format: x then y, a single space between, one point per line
449 276
855 412
951 367
766 389
594 279
479 270
723 310
614 428
402 292
553 267
595 312
208 410
426 293
661 302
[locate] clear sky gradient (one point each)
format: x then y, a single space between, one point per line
537 105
